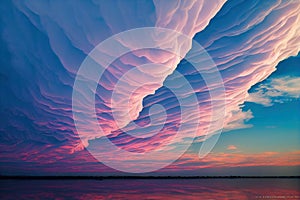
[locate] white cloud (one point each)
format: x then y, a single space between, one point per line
277 90
237 120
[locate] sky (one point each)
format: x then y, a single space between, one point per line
240 71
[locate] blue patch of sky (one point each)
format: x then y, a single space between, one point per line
275 128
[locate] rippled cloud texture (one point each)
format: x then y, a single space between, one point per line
43 44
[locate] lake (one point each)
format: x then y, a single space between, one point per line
151 189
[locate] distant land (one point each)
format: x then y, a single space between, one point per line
138 177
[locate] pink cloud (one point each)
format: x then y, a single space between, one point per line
237 159
231 147
38 125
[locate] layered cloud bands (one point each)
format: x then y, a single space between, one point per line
247 45
44 44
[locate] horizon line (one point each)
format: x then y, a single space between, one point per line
57 177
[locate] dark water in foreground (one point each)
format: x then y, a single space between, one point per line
151 189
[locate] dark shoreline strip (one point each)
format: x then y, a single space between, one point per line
140 177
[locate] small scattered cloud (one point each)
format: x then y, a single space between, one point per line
238 119
231 147
277 90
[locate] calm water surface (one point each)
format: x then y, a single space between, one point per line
151 189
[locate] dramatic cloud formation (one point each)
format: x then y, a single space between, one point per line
254 44
277 90
44 44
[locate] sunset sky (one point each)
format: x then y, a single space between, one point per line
254 46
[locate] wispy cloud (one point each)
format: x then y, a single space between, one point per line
277 90
237 159
238 120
